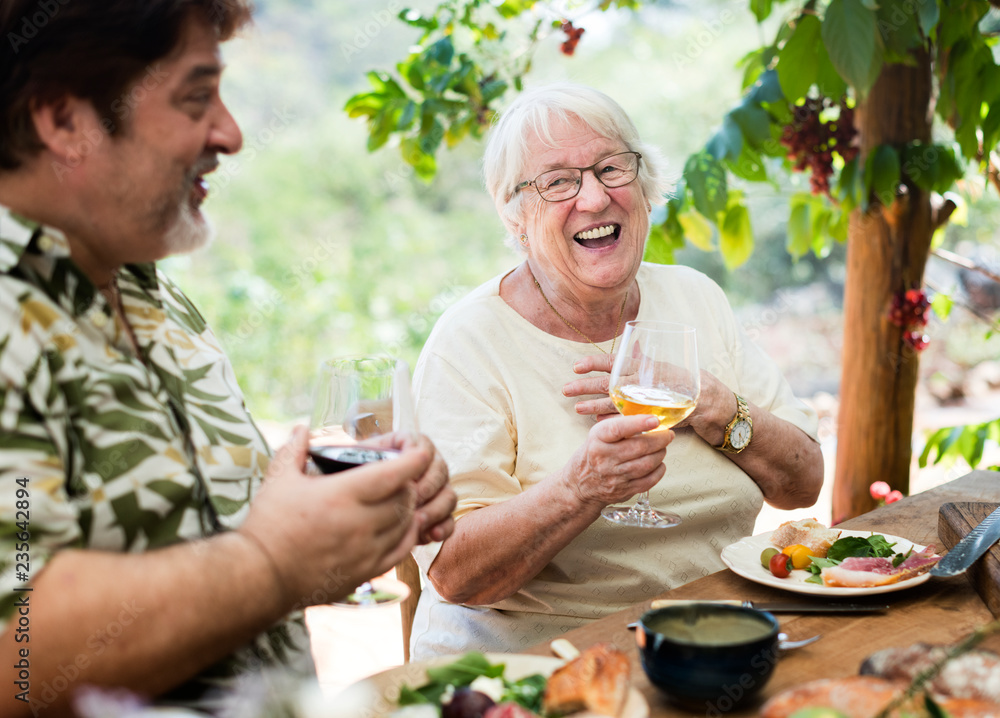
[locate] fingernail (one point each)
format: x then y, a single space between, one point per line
578 366
652 422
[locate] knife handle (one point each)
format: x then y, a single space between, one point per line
666 602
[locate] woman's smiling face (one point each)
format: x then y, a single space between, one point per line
593 242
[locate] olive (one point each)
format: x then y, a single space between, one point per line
766 555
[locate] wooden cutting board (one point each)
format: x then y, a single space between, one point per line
955 521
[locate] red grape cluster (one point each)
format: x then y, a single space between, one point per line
909 310
572 37
811 141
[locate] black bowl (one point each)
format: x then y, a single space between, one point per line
708 658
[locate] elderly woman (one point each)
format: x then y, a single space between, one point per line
513 386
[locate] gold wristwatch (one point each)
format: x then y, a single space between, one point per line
739 432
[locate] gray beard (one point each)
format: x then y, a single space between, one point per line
188 233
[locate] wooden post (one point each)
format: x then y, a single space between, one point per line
886 253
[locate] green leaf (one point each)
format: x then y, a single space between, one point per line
882 173
849 546
799 226
848 185
365 104
942 305
407 116
898 28
767 89
849 35
441 51
697 230
991 128
798 59
736 236
761 9
659 247
927 16
423 163
749 165
705 177
828 79
753 121
753 65
727 142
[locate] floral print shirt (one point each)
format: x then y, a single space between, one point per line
103 449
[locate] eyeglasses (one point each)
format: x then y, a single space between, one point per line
564 183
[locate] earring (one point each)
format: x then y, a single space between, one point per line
524 239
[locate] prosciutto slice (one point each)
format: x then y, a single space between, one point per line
858 572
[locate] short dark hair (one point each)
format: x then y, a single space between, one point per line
91 49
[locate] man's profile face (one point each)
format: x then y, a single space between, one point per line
149 180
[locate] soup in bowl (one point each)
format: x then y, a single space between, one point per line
709 658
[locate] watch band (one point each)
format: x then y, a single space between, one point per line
742 415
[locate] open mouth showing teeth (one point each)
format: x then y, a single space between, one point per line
599 236
199 191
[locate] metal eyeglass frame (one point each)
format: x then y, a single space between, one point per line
579 182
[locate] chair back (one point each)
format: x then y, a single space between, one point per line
408 572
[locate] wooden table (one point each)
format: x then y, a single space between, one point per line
938 611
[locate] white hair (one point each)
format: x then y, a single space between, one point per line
532 115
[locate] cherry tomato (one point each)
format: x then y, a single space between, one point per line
766 555
780 565
801 555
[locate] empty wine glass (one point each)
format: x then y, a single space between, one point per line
655 371
358 398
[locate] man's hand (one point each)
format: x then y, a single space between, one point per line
602 408
324 535
435 497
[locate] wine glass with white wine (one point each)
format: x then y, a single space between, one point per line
655 372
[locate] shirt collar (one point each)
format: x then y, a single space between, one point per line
18 234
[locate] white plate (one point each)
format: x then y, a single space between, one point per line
377 695
743 557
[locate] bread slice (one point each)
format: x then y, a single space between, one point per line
808 532
598 681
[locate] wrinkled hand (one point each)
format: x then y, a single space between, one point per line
325 535
602 408
618 461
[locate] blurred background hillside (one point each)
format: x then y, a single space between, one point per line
324 249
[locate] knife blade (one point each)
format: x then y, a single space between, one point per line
784 606
967 551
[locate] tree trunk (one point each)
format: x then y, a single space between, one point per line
886 253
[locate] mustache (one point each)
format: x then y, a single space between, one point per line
203 167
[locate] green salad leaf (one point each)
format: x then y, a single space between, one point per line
874 546
526 692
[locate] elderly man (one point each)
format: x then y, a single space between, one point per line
146 540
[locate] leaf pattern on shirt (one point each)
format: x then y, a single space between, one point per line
121 453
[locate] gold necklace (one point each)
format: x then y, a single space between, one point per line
621 315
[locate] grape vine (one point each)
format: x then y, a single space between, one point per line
812 138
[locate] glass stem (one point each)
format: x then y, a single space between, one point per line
641 505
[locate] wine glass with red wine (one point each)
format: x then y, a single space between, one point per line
359 398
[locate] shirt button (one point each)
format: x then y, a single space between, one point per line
45 243
99 320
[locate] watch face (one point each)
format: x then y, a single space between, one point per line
740 435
